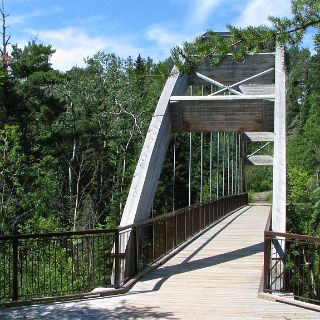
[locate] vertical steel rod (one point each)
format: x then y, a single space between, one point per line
117 258
240 164
174 172
218 159
201 158
137 248
201 167
223 161
232 164
15 262
236 162
228 157
210 168
190 156
190 166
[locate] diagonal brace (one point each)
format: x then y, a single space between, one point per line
219 84
253 153
242 81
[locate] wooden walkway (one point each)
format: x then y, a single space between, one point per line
215 277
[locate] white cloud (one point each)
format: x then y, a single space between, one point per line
257 12
18 19
72 45
161 41
163 36
200 11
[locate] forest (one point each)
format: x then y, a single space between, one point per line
70 140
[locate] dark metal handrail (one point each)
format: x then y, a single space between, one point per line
146 242
286 235
170 214
294 271
38 266
57 234
61 263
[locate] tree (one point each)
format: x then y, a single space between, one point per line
32 58
5 38
4 60
12 186
30 175
243 41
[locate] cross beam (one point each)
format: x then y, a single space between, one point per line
242 81
217 83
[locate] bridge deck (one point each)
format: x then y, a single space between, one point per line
215 277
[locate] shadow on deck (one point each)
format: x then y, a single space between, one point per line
215 277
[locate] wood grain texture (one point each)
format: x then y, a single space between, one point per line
210 115
149 166
258 136
259 160
215 277
230 71
255 89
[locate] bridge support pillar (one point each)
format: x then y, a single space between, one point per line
279 162
279 173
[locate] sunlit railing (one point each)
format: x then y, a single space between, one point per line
54 264
292 266
72 264
148 241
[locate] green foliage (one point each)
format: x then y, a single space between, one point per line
297 88
240 42
214 47
12 184
78 138
33 57
300 182
55 266
259 178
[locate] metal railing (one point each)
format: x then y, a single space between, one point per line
54 264
65 264
292 265
148 241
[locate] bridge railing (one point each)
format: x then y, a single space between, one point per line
296 271
60 265
148 241
36 266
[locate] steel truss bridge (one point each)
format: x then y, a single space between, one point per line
203 260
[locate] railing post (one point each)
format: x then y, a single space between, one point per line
166 235
153 255
136 248
117 259
15 265
222 207
191 210
214 209
266 263
217 210
185 225
176 229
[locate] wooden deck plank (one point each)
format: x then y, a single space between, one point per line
215 277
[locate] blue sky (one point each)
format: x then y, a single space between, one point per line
78 29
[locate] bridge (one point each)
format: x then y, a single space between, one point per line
216 276
216 258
